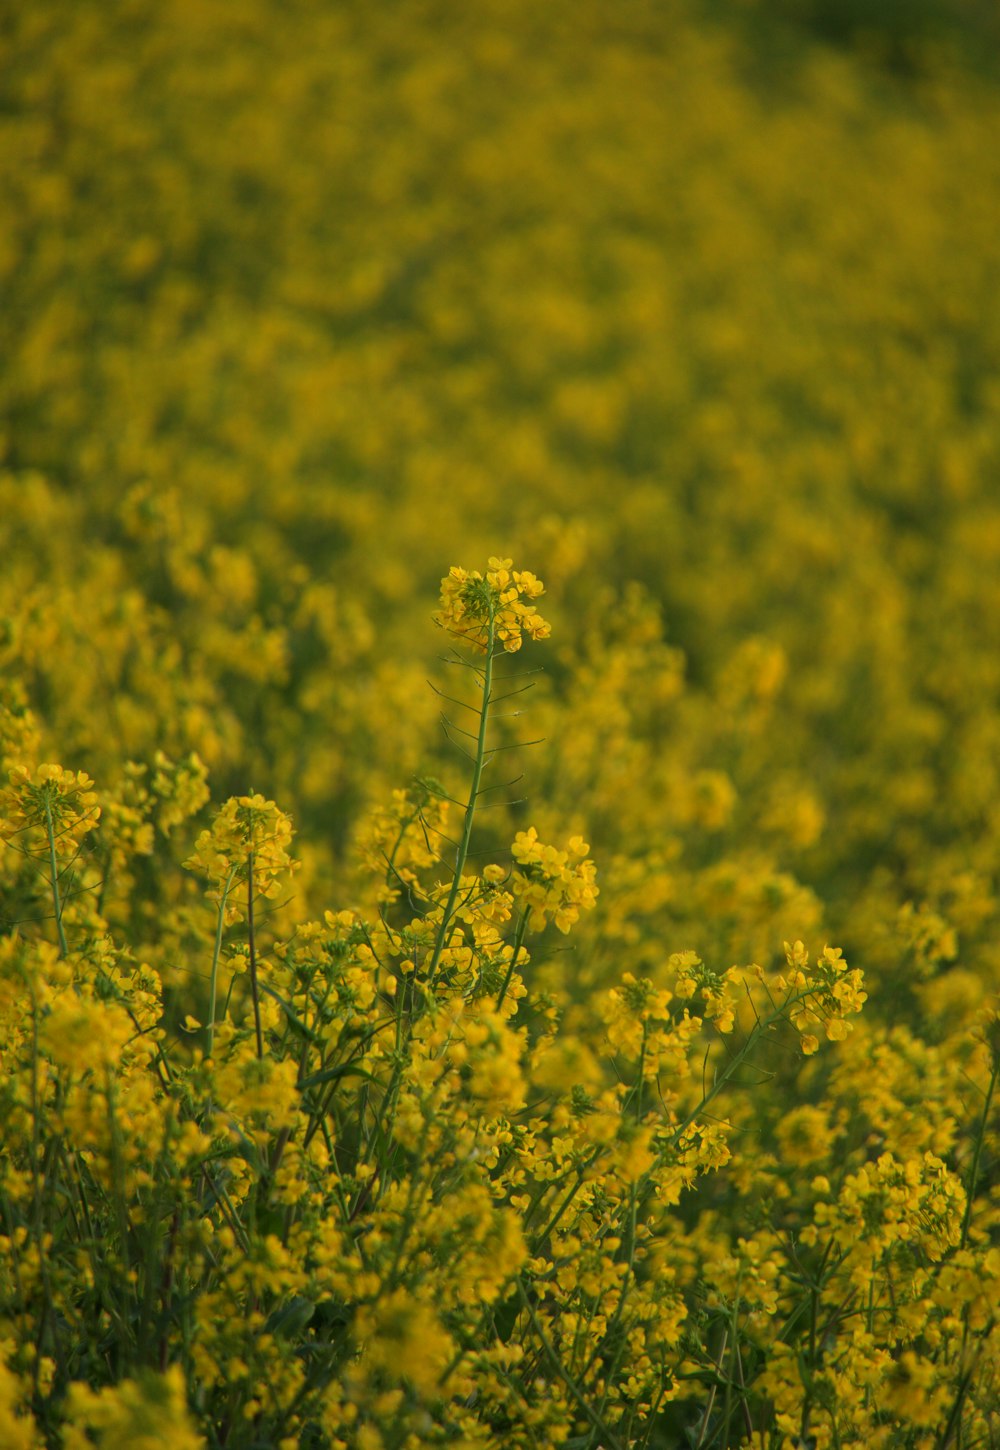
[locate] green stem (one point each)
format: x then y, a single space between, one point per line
608 1439
54 874
955 1426
736 1062
744 1401
522 927
119 1187
710 1402
214 979
978 1153
254 988
470 809
38 1195
641 1074
554 1221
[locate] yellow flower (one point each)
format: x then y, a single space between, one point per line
557 885
492 609
248 838
50 798
144 1414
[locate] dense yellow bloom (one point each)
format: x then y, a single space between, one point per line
823 994
49 799
181 789
556 884
245 844
478 608
135 1415
402 839
405 1337
890 1204
806 1135
17 1427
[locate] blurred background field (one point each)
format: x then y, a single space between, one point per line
692 309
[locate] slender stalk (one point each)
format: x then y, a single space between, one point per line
37 1195
609 1440
955 1427
710 1403
522 927
640 1077
470 809
736 1363
254 988
167 1290
216 952
119 1188
461 855
978 1152
54 875
554 1221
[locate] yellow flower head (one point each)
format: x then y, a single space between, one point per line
249 835
556 884
488 610
48 797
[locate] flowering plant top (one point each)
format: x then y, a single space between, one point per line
472 603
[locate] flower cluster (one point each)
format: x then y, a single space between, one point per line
180 788
641 1027
246 843
889 1206
402 838
480 609
556 884
824 994
52 803
718 992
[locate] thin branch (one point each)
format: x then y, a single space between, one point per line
454 700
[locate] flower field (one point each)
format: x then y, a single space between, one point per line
499 725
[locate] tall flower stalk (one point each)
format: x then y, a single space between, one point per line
489 613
